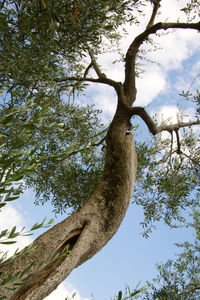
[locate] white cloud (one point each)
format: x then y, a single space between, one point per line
10 217
65 291
170 114
167 113
149 86
175 48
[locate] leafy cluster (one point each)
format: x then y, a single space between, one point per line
179 279
41 41
167 181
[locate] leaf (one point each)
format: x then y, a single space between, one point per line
11 198
8 243
37 226
119 297
44 4
3 233
12 232
26 270
2 204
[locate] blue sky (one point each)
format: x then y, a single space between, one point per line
128 257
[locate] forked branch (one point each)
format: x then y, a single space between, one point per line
130 60
156 5
140 111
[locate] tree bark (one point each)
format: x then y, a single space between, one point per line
89 229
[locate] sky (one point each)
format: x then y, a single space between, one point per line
128 258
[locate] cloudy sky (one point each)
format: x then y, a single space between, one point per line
128 257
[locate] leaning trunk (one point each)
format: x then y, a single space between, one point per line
87 230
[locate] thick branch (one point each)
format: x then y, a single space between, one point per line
130 74
140 111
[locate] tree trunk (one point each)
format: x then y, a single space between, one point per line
90 228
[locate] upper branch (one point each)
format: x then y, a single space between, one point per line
95 65
140 111
130 60
156 5
104 80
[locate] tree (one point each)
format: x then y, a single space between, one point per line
41 38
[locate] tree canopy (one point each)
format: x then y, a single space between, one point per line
49 54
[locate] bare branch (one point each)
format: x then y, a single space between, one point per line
178 142
103 80
87 70
95 65
156 5
130 74
140 111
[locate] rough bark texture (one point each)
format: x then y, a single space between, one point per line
90 228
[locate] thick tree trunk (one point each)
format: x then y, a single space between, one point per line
90 228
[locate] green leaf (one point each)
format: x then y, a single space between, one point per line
119 297
3 233
12 232
26 271
37 226
8 243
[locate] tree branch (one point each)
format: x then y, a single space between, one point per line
156 6
95 65
87 70
140 111
103 80
130 60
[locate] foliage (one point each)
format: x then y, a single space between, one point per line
179 279
168 177
52 145
41 41
7 236
14 280
39 139
128 295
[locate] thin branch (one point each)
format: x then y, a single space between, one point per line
140 111
87 70
189 157
103 80
178 142
95 65
156 6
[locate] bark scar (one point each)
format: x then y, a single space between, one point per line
40 277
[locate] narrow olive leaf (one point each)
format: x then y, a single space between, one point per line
14 277
6 280
119 297
40 265
11 198
36 225
12 232
51 221
136 292
26 270
3 233
16 177
8 243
